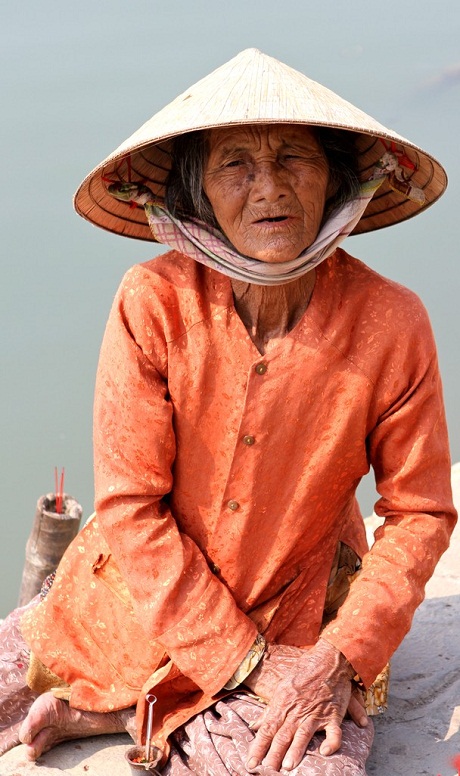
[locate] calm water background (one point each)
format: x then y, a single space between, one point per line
76 79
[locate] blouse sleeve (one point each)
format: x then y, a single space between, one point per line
177 599
409 452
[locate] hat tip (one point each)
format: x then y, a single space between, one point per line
251 52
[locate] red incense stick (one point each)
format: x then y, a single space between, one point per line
59 489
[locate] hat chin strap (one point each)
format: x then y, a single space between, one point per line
210 247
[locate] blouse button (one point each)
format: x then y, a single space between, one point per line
261 368
215 569
249 440
233 505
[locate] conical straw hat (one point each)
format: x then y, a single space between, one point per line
251 88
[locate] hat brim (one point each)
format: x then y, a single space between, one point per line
252 89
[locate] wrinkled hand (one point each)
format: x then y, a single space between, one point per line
278 661
307 691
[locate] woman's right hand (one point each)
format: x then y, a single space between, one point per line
281 660
309 690
277 661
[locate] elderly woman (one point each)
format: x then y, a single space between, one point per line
247 381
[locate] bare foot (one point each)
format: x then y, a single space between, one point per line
51 721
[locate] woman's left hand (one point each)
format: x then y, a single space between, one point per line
312 694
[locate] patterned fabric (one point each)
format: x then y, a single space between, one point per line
216 742
345 569
40 679
376 696
15 696
247 665
209 246
225 479
47 585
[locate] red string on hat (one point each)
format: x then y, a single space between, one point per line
402 158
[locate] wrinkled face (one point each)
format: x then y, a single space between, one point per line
267 185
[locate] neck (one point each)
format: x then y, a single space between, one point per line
270 312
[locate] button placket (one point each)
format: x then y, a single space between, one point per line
258 369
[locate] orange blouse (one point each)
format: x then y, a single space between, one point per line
224 480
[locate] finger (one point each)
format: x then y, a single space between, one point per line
297 748
261 744
280 745
255 725
333 739
357 711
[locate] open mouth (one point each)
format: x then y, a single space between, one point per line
272 220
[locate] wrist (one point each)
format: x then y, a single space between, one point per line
342 663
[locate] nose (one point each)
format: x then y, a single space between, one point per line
269 182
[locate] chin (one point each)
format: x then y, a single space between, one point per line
277 256
277 252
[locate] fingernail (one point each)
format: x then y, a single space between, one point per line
251 725
325 750
364 721
252 763
288 764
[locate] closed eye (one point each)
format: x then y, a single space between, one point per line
290 157
303 157
234 163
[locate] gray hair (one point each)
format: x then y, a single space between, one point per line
185 196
